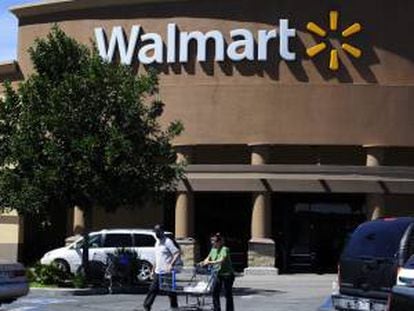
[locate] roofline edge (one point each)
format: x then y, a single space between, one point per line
56 6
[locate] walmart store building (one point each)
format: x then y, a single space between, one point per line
298 114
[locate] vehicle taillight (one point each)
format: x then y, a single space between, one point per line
399 268
389 218
336 284
339 275
389 303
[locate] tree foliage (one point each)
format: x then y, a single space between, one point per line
81 131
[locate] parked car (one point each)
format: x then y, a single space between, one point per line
69 258
401 299
13 282
369 263
402 295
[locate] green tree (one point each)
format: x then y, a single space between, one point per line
83 132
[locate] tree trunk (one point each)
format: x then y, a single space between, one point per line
87 212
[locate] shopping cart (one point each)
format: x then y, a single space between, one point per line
196 286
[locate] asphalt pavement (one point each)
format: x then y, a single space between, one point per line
301 292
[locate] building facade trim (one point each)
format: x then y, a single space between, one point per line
299 178
56 6
9 68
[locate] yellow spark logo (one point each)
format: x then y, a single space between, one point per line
333 26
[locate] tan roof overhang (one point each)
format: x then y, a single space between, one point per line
10 70
56 6
299 178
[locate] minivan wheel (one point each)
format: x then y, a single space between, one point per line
144 271
62 265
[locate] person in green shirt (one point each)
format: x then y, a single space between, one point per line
220 256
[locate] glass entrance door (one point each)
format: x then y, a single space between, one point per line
315 229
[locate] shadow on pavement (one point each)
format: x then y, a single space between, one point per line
247 291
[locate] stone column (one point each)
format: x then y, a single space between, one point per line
78 225
261 216
375 206
184 215
262 251
375 201
78 221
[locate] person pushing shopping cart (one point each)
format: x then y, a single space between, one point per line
166 256
219 257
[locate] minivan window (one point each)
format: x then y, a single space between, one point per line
375 240
144 240
95 241
118 240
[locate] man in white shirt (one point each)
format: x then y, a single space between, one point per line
166 255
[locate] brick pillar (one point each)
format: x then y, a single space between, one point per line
262 251
184 216
375 201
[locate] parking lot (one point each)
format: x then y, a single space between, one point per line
281 293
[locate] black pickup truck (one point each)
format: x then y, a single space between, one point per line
369 263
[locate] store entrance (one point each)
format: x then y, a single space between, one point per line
313 230
229 214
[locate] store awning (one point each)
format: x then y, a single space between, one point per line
299 178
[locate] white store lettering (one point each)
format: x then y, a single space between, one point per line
151 48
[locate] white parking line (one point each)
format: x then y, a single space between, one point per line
23 309
36 304
45 301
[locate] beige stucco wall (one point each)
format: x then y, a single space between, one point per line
367 102
9 236
140 217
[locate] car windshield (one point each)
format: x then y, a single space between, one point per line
376 240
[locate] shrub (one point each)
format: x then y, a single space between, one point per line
47 275
124 266
79 280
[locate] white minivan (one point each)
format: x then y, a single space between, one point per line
69 258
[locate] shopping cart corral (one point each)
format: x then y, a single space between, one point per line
196 286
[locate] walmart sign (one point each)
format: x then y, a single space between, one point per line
147 48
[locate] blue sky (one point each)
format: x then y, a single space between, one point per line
8 29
